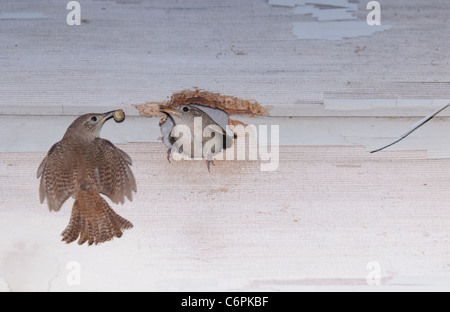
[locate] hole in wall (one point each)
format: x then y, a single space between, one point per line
231 105
218 107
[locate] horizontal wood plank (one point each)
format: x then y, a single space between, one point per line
130 53
316 221
320 221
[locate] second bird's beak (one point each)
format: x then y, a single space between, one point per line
168 110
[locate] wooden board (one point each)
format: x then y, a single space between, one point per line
39 133
322 220
130 53
317 221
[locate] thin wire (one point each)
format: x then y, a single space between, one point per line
415 127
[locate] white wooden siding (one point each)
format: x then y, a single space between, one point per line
329 210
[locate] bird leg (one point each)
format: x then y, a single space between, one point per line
208 164
169 153
209 161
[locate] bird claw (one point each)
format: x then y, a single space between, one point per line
208 164
169 153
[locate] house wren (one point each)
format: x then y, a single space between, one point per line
199 136
83 166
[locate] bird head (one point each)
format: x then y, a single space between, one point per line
89 126
183 114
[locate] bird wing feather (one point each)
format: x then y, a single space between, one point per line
58 172
112 171
215 128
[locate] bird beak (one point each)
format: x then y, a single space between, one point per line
107 116
168 110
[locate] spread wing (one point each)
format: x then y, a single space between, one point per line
112 171
58 172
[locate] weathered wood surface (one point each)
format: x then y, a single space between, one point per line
329 210
39 133
131 52
316 221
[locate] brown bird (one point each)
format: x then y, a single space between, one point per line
83 166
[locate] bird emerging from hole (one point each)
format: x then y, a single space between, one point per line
198 139
83 166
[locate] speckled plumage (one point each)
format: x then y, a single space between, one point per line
83 166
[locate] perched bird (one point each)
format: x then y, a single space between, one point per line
83 166
201 136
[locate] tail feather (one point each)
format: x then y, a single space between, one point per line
93 221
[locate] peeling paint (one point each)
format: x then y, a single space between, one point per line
335 30
325 15
287 3
331 3
336 20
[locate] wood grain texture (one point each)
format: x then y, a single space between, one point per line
315 222
39 133
130 53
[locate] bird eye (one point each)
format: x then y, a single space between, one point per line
94 119
185 109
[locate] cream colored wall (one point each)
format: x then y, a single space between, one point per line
320 221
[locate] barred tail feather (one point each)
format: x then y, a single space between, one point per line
93 221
